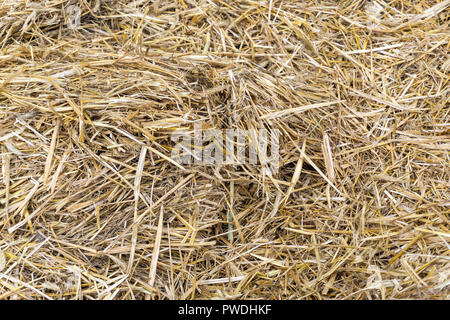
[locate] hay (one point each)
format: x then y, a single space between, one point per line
93 206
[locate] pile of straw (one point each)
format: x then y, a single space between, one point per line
92 206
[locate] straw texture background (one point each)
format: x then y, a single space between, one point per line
93 207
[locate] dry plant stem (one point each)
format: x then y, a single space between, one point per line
156 249
137 185
230 214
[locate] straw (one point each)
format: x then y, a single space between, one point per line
94 206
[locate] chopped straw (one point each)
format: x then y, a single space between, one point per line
93 205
